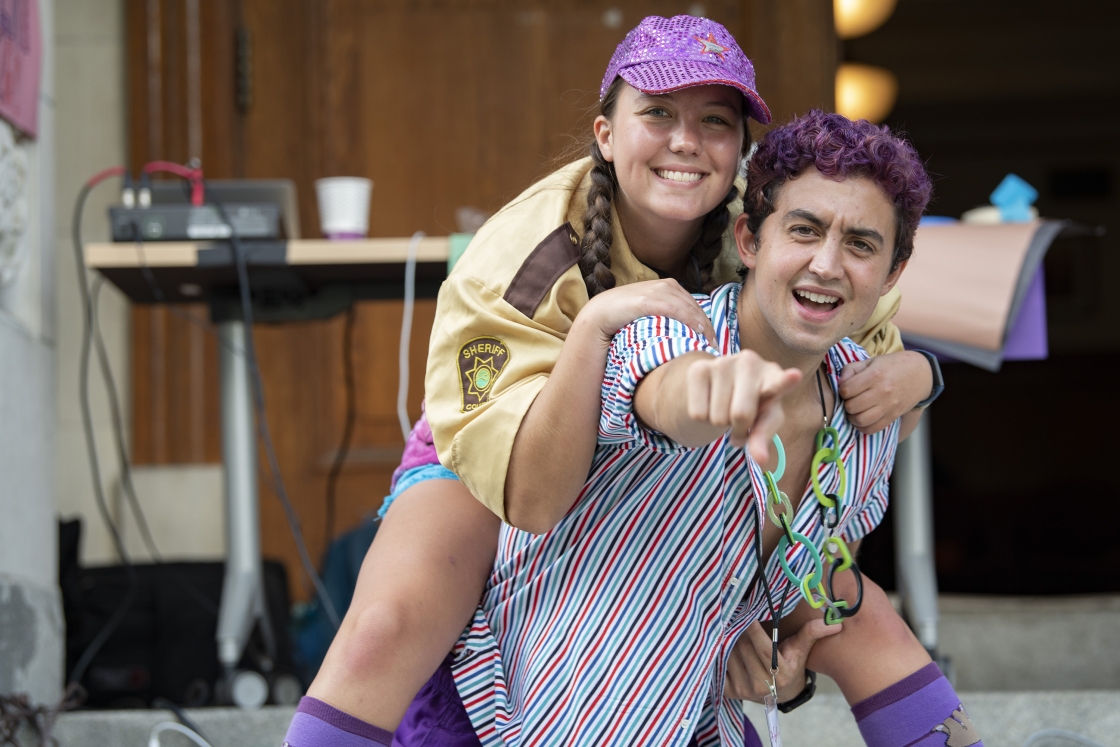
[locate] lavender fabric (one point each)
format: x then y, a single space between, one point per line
317 724
1026 340
660 55
921 710
437 717
419 450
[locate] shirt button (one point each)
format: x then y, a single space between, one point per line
734 580
685 723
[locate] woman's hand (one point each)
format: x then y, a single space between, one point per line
612 310
879 390
748 669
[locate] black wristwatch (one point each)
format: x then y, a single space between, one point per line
938 382
804 696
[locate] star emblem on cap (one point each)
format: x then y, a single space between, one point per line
711 46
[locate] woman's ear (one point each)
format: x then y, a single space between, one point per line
746 242
603 136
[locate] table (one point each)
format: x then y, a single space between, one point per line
290 280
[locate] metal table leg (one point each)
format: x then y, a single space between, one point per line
242 591
913 534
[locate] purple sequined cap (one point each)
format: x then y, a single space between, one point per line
668 54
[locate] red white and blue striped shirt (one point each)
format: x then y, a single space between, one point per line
616 626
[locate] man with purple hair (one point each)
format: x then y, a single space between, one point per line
647 614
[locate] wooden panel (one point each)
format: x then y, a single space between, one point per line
794 49
443 104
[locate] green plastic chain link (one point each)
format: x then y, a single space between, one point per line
781 470
833 549
826 455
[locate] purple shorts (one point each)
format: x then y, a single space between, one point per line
437 717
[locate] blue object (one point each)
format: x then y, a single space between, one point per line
457 244
937 220
1014 198
413 476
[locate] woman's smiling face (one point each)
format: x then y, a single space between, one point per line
675 154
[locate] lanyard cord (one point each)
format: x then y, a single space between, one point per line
776 615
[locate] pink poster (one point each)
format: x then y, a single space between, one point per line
20 63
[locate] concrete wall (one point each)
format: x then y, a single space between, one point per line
92 107
31 651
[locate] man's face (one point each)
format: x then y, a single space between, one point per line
821 260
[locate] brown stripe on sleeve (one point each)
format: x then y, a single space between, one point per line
542 268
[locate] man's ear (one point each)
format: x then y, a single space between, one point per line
746 242
604 137
893 277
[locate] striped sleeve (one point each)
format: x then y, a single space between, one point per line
877 496
637 349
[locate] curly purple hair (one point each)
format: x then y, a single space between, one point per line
838 148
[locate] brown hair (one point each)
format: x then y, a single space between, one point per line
595 256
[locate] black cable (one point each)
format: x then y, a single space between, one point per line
91 447
123 459
348 428
241 260
775 616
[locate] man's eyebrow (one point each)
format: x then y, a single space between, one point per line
805 215
867 233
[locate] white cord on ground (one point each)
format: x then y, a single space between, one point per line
153 740
1038 736
406 332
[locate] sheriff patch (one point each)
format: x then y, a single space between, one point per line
480 362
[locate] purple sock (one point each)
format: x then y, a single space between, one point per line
921 710
317 724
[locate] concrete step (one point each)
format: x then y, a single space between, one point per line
1022 664
1003 720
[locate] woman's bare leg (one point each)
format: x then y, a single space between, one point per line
418 588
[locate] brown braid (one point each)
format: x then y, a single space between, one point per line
595 259
595 256
698 274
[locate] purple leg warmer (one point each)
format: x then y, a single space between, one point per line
921 710
317 724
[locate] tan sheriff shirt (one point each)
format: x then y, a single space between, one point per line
504 312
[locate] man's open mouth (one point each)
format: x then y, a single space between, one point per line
818 302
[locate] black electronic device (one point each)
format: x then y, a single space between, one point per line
184 222
257 209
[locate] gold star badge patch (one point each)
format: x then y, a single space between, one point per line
480 362
711 46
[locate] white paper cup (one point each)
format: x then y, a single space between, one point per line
344 206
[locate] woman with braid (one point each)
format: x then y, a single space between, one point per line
517 358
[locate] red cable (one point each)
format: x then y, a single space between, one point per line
104 174
194 176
